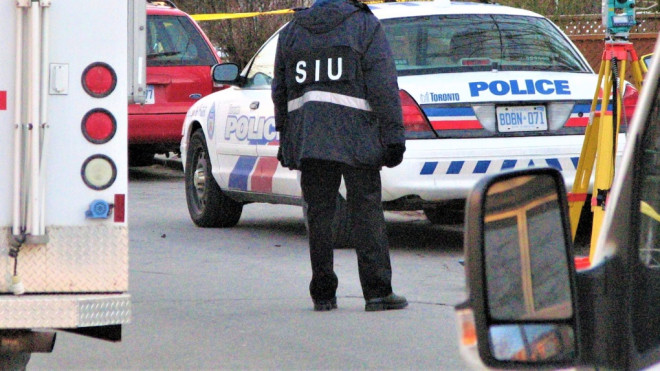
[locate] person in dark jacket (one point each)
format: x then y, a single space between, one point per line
338 112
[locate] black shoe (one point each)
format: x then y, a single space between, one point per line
325 305
391 301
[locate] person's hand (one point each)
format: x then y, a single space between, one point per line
394 154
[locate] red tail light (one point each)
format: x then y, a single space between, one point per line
99 80
99 126
414 120
630 96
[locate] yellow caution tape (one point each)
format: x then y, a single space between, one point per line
648 210
219 16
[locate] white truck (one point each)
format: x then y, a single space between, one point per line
67 69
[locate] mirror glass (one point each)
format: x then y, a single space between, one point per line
225 72
526 252
528 343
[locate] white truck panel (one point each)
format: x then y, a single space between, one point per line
82 263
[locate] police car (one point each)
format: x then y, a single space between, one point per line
484 88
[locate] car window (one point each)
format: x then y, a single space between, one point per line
646 293
175 41
466 43
262 67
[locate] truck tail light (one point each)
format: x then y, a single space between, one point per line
99 80
416 124
99 172
120 208
99 126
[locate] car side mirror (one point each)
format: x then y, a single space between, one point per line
521 275
646 62
226 74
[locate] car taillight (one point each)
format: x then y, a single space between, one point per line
416 124
630 96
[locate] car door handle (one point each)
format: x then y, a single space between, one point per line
254 105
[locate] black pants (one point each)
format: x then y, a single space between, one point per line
320 182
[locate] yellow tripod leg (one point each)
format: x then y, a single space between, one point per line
604 162
587 155
603 179
583 172
638 77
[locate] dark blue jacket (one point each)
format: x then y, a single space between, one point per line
335 87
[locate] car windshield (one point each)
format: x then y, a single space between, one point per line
479 42
174 41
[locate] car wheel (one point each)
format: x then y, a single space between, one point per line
450 214
341 224
207 205
140 158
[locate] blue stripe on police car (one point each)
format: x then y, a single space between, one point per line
488 166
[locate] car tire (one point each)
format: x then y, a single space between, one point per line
341 224
208 206
450 214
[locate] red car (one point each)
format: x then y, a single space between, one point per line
179 61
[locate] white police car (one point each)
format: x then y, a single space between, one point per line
484 88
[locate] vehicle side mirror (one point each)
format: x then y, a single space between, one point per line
226 73
646 62
521 275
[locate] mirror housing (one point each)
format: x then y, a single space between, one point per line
646 62
226 74
520 270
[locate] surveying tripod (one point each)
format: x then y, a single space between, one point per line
600 138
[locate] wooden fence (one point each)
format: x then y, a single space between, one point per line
588 34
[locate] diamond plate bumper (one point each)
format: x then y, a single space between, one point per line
77 259
63 311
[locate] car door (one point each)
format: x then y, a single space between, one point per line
250 125
645 239
179 61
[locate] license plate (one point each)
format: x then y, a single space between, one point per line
521 118
151 98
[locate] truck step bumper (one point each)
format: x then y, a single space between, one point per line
64 311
